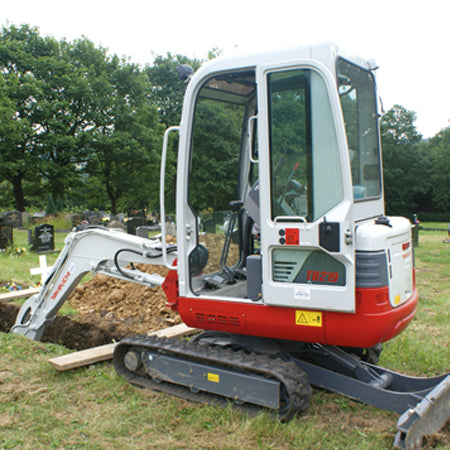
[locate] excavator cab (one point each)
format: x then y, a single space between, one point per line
280 168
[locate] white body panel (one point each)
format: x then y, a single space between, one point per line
396 240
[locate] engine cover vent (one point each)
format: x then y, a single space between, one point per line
218 320
283 271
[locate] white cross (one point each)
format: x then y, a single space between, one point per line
43 269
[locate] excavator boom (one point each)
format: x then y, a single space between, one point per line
95 250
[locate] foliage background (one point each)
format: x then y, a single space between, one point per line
82 129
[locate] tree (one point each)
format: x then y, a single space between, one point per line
166 88
45 127
68 111
125 145
166 92
21 87
437 150
404 172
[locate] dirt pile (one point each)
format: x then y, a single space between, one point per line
122 307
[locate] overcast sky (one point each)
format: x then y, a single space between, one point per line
409 39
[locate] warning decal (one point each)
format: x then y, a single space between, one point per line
214 377
308 318
292 236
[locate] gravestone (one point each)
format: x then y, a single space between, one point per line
86 215
120 217
133 223
43 238
116 224
76 220
25 218
171 229
144 230
13 218
92 218
96 219
6 235
36 217
209 226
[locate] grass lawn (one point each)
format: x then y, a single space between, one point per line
15 266
93 408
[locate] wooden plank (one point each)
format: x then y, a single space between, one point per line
13 295
83 357
105 352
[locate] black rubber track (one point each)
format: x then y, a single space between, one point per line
295 388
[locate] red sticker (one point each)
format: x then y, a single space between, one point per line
292 236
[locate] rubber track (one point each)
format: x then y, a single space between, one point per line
294 381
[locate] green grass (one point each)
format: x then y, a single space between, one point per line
422 349
17 267
93 408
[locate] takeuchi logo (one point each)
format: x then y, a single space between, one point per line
63 282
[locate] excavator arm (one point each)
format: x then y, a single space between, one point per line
95 250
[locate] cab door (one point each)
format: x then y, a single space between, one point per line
307 250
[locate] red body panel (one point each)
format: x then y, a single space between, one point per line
373 322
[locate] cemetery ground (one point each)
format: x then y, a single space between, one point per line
92 407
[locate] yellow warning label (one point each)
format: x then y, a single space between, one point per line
397 299
214 377
308 318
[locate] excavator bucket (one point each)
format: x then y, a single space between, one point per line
423 403
428 417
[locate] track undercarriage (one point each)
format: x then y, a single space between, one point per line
255 373
205 372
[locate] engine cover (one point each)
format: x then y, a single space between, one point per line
384 254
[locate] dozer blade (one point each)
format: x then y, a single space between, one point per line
428 417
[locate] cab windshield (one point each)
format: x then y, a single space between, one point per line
358 102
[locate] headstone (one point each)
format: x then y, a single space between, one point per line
96 219
120 217
76 220
43 238
142 231
25 218
36 217
209 226
116 225
171 229
86 215
133 223
6 235
13 218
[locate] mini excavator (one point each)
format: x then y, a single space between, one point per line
280 175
